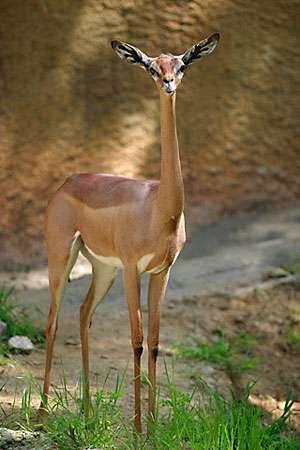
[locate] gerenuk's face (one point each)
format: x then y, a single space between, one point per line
166 70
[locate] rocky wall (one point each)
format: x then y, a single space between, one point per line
68 104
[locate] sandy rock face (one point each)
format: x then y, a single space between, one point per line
68 104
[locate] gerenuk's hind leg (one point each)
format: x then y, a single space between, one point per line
102 279
132 292
61 260
157 290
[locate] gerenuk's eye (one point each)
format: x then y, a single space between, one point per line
153 72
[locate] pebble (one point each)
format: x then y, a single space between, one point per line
13 436
21 343
73 342
262 171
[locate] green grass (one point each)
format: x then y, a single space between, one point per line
294 268
6 359
18 321
293 338
200 420
233 354
218 424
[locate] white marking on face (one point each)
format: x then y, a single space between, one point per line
170 86
155 71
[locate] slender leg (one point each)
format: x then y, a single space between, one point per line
132 292
60 263
102 280
157 290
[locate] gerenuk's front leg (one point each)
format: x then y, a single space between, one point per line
132 292
157 289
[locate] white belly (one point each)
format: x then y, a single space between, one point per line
144 261
114 261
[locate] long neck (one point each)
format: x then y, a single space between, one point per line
171 190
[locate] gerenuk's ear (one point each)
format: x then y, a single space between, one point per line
203 48
132 54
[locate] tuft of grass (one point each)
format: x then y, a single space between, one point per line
18 322
70 429
203 420
4 350
65 425
199 420
5 356
229 353
293 337
294 268
259 291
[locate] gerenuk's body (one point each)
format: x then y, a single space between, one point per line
123 223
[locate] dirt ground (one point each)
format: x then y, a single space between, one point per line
218 283
265 315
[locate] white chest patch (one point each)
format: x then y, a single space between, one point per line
114 261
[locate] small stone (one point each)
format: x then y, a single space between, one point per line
262 171
164 351
21 343
15 436
213 170
3 328
171 305
239 321
207 370
235 158
74 342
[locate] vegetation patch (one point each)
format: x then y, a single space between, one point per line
18 323
199 420
293 337
294 268
233 354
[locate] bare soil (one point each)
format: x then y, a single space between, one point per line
265 315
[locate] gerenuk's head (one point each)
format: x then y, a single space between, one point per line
167 70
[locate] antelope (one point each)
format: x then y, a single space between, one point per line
123 223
